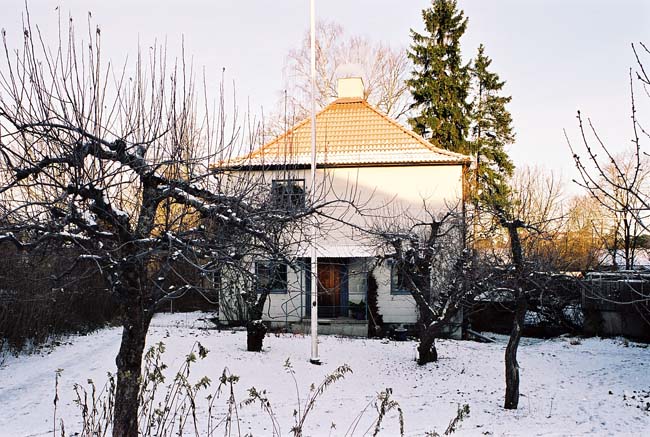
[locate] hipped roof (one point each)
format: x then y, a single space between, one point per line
349 132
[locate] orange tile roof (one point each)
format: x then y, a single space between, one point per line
350 132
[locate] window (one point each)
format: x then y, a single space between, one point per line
398 282
271 276
288 194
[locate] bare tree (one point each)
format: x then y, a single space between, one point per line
579 244
525 274
123 166
623 205
618 182
382 67
536 197
245 289
430 262
569 232
520 290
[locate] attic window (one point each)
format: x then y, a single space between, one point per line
288 194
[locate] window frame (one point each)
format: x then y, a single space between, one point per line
271 267
284 197
395 290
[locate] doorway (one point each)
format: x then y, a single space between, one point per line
332 288
329 289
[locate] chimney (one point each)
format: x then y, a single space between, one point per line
350 88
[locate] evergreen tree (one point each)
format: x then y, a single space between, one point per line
491 131
440 81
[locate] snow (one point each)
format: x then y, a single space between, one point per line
69 235
569 386
89 218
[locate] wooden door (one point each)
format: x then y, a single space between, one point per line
329 289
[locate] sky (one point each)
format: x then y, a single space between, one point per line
556 56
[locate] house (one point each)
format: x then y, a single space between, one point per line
388 172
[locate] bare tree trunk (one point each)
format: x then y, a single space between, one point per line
129 368
137 313
430 330
255 333
427 352
512 366
255 328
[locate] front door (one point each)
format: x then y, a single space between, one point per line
329 289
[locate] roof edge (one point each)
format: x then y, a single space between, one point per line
270 167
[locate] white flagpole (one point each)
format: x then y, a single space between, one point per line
314 261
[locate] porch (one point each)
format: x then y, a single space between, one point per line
345 326
342 297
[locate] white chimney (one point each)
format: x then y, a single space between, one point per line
350 88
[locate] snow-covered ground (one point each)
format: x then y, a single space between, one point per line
568 386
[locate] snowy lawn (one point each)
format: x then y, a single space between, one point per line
568 386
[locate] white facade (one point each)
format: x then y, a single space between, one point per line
383 194
373 175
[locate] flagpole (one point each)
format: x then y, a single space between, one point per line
314 261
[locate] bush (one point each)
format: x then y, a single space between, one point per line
41 299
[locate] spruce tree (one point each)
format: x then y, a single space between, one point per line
440 81
491 131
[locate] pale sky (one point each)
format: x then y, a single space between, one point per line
556 56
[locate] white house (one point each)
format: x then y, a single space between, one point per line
388 172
